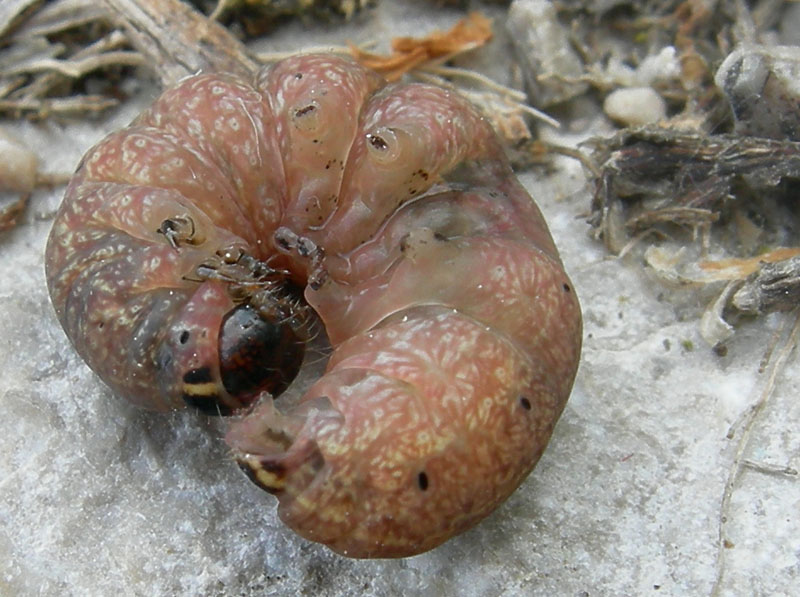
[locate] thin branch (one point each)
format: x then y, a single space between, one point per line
66 105
76 68
771 469
270 57
179 41
747 424
44 82
56 16
13 12
452 71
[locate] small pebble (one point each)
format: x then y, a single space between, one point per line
17 165
762 84
635 106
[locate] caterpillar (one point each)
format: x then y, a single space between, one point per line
195 249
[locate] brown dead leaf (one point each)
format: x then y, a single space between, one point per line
735 269
10 212
409 52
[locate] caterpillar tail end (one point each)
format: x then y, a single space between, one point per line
277 451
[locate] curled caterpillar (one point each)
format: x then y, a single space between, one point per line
194 249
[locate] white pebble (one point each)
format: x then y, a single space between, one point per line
635 106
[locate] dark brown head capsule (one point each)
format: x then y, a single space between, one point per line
258 354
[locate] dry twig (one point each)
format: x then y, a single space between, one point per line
746 423
179 41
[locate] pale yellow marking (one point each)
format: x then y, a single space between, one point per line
200 389
267 478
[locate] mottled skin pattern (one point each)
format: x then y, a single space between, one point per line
456 332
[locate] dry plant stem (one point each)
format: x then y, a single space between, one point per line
691 216
270 57
7 87
638 238
746 424
453 71
59 15
576 154
691 176
663 163
515 100
13 11
770 469
171 36
76 68
30 74
68 105
88 57
179 41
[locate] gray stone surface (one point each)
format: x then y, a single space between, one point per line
551 66
762 85
97 498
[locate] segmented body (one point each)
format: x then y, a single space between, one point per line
455 329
